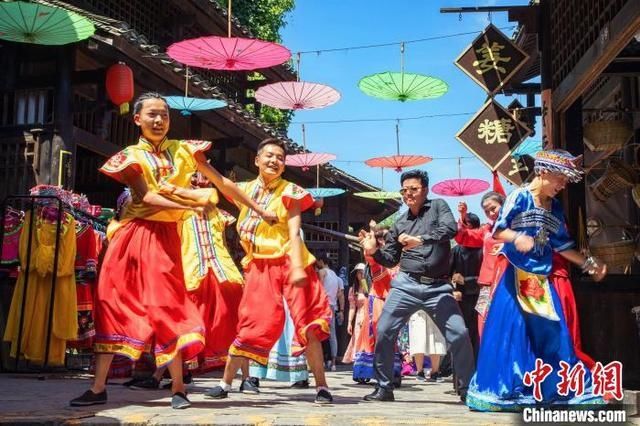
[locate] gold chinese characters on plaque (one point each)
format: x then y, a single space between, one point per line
516 170
491 59
492 134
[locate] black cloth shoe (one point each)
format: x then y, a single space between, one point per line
420 377
186 379
145 384
301 384
254 381
380 394
89 398
216 392
247 386
435 378
463 396
179 401
323 397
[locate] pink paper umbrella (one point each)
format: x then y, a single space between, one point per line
460 187
308 159
228 53
398 162
297 95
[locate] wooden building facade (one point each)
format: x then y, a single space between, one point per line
587 54
53 99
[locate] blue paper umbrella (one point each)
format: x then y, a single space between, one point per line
325 192
186 104
528 147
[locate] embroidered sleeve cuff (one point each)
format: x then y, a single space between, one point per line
294 192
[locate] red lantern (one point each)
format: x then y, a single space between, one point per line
317 204
120 86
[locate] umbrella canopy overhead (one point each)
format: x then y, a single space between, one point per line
528 147
186 104
400 86
325 192
297 95
460 187
308 159
379 195
398 162
35 23
228 53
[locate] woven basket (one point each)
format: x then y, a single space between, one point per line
635 193
616 178
607 135
619 253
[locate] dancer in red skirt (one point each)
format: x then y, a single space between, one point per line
277 264
141 292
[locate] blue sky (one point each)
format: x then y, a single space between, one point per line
327 24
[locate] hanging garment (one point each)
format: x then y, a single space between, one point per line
38 293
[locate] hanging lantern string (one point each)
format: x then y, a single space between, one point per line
186 82
304 138
459 167
398 137
402 59
395 43
229 20
382 182
298 66
317 175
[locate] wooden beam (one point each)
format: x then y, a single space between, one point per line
613 38
94 143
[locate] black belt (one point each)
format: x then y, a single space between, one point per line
423 279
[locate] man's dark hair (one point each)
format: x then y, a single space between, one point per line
324 257
492 195
137 105
272 141
472 220
416 174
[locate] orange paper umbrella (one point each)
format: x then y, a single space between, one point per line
398 161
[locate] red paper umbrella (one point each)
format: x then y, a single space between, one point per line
398 162
228 53
460 187
308 159
297 95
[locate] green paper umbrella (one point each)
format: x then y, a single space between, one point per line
379 195
397 86
401 86
39 24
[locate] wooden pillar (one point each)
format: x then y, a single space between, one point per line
63 121
572 141
343 226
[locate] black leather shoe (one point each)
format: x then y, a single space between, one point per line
380 394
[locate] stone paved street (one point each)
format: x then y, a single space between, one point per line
32 400
27 399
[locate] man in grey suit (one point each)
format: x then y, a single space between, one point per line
420 242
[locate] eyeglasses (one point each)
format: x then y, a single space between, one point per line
410 189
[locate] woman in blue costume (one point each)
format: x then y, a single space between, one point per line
525 320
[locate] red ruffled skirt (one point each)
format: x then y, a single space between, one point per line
141 296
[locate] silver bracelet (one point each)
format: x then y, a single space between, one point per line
590 265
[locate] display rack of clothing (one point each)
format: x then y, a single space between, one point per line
43 315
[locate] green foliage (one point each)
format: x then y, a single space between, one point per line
265 18
278 118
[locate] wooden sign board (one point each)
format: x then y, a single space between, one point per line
491 60
517 170
492 134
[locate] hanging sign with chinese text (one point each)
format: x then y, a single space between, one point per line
547 120
491 60
492 134
516 170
